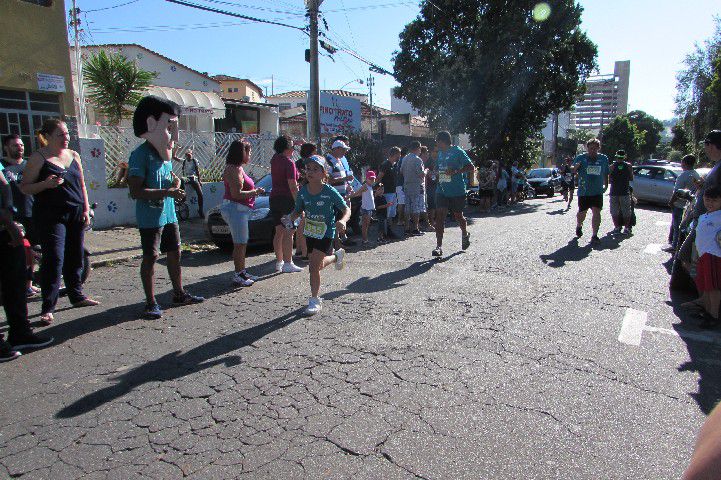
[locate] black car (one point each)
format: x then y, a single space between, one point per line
545 181
260 227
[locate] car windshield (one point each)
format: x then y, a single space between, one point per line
539 173
266 183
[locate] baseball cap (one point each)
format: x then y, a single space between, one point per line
316 159
370 174
714 137
621 154
340 144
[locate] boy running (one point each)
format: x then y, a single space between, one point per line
320 202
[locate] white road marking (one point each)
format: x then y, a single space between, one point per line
706 337
663 223
653 248
632 328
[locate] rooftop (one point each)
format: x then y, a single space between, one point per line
302 93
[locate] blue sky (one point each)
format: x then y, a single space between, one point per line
654 34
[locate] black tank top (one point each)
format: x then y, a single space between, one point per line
66 197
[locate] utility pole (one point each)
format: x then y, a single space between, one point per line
78 65
313 112
371 82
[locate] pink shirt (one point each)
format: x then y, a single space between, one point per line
248 185
282 169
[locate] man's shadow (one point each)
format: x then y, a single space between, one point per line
571 252
177 365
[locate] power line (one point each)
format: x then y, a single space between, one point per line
110 8
168 28
232 14
254 7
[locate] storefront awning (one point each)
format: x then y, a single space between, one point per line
192 102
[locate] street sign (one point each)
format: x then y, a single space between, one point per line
51 83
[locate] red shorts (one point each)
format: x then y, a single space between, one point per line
708 273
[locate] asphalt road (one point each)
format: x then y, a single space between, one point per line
508 361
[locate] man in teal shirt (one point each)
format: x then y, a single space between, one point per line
155 187
592 170
452 163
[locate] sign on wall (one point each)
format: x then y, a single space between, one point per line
339 114
51 83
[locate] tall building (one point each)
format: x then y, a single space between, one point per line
606 97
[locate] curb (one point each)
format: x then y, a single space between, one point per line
108 261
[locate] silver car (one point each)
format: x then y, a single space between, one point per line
654 183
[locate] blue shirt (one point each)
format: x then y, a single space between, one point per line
319 210
454 158
591 174
157 174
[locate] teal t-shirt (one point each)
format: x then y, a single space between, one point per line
147 164
319 211
453 185
591 174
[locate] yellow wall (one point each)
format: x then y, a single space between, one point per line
244 89
34 40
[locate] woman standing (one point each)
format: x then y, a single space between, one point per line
54 176
284 178
238 202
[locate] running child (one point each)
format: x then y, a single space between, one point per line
320 202
708 244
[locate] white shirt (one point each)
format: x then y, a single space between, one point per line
367 200
708 230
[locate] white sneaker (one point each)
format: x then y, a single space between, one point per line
290 267
339 259
279 266
246 275
315 305
240 281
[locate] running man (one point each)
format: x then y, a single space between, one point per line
592 170
320 202
452 163
567 180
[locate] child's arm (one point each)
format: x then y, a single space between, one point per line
359 192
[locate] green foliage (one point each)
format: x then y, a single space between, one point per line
652 128
364 151
680 139
116 85
621 134
663 150
675 156
489 69
698 88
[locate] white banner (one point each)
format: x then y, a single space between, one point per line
51 83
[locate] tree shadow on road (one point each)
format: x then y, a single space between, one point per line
703 349
517 209
176 365
571 252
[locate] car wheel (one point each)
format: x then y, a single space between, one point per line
550 194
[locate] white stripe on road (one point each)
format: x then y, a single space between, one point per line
706 337
632 328
653 248
663 223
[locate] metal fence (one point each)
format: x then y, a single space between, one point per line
209 148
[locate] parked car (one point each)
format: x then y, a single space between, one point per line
654 183
545 181
260 227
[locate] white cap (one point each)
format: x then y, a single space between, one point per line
340 144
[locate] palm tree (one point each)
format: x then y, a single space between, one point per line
115 84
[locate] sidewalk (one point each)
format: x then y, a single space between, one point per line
123 243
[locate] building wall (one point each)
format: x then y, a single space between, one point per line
35 40
606 97
402 106
245 89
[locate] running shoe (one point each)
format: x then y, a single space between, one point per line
339 259
244 273
315 305
627 231
152 311
29 340
381 241
290 267
416 233
579 232
437 252
6 352
615 231
187 299
365 243
595 240
466 241
240 281
279 266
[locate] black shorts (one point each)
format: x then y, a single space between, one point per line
324 245
280 206
591 201
167 238
486 193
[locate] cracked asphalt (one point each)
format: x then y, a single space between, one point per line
500 362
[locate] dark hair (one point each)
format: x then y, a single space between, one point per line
593 141
424 149
282 144
152 106
444 137
340 137
394 151
404 151
714 191
237 153
415 145
307 149
12 136
714 138
689 160
48 127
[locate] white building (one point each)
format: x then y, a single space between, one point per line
299 98
606 97
195 92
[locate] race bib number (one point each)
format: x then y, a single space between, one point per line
444 177
314 228
593 170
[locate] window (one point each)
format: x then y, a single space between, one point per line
235 89
42 3
301 105
283 106
644 172
23 113
669 176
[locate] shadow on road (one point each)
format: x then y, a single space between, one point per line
571 252
517 209
703 350
177 365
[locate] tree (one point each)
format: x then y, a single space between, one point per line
651 126
116 84
680 139
490 69
621 134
